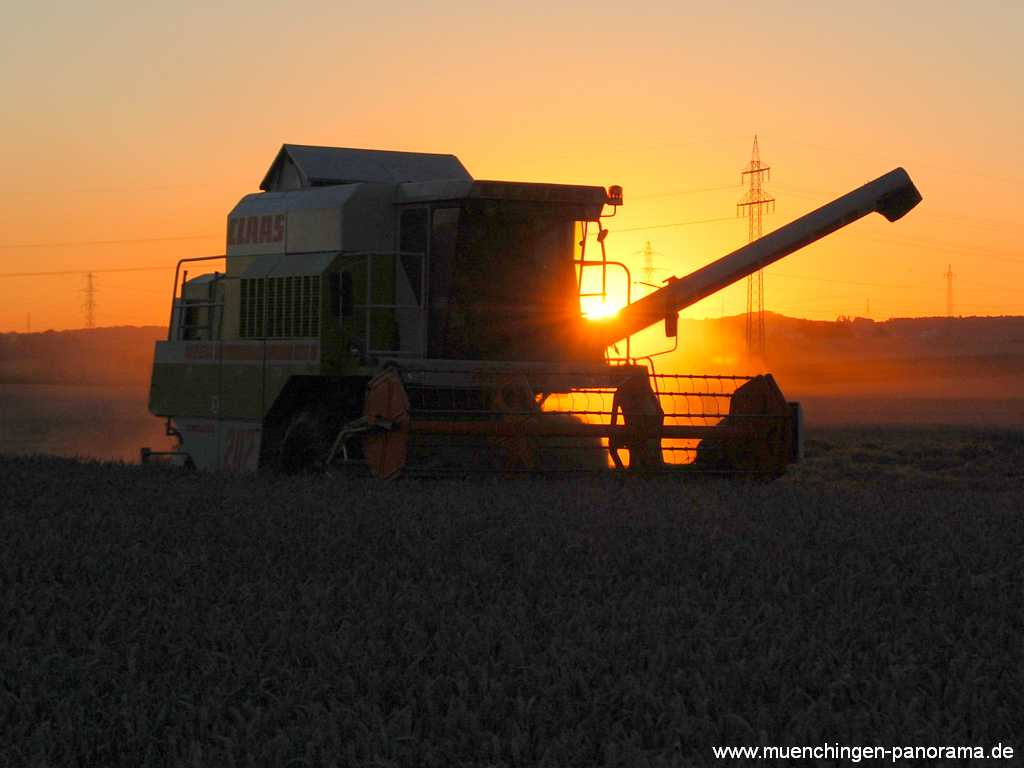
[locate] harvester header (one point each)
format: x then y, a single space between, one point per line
386 312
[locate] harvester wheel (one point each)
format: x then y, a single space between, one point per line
305 443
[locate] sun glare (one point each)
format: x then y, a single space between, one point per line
597 309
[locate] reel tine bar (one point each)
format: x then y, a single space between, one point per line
535 420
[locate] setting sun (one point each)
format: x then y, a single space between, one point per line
595 309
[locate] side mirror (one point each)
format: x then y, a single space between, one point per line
672 325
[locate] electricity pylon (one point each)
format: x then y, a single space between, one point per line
755 202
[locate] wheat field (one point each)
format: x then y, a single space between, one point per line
158 617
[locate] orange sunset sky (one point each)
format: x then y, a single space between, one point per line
130 131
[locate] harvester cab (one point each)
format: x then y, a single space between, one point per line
384 311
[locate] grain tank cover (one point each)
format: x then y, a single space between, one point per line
300 167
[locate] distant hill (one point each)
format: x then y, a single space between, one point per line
119 355
857 337
933 356
918 357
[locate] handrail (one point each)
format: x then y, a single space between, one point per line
174 291
369 254
605 263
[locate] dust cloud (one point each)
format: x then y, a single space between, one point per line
88 421
84 393
79 393
956 371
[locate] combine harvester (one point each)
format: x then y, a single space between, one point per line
386 311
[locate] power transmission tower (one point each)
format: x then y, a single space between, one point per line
648 262
949 290
648 269
89 303
754 203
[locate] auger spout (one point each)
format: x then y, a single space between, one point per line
891 195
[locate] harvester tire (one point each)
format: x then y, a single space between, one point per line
305 443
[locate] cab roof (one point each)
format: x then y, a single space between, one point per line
298 166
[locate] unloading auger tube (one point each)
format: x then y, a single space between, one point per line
892 195
530 418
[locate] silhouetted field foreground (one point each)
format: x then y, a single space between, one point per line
873 596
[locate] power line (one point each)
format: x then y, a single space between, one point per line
853 236
945 168
85 271
989 287
76 243
840 282
974 221
694 191
676 224
935 246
